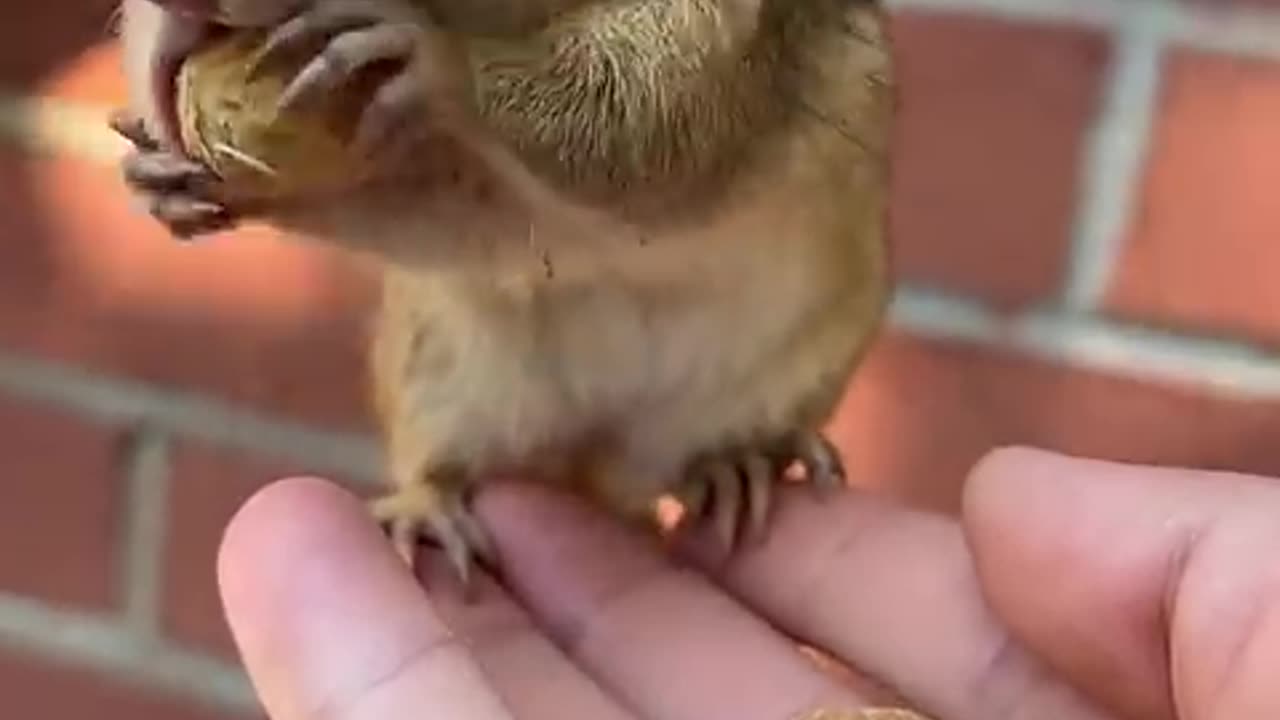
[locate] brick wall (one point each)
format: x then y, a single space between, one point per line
1083 223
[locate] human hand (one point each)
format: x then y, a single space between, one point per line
1070 590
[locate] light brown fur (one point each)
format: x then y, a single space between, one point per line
660 234
654 340
655 231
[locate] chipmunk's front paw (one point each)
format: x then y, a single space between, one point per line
349 38
177 191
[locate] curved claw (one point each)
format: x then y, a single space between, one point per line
345 56
312 28
820 458
347 38
760 476
163 172
133 128
726 503
175 190
424 511
187 217
734 491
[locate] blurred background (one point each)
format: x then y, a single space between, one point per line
1083 226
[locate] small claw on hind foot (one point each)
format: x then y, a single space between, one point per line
824 470
441 517
734 490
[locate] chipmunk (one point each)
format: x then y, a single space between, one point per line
633 248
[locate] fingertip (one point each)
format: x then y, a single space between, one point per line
1013 469
1073 554
1031 513
270 521
276 499
323 611
1040 497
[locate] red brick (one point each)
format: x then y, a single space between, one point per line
38 38
922 412
1202 252
990 132
93 76
208 487
34 688
254 319
60 511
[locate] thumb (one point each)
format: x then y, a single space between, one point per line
1157 591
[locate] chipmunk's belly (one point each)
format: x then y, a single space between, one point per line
602 370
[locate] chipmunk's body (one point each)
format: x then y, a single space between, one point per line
634 247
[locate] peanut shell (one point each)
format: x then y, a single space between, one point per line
232 124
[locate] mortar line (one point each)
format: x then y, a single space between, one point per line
1093 344
1087 13
1237 30
130 402
108 647
142 551
55 126
1115 159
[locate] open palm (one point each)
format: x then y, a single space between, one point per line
1069 590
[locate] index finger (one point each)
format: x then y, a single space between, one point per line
661 638
893 592
328 621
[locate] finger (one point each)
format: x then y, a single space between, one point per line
525 667
314 27
394 105
329 623
161 172
133 128
664 641
891 592
344 57
1159 590
187 217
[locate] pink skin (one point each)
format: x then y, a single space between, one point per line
1066 589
